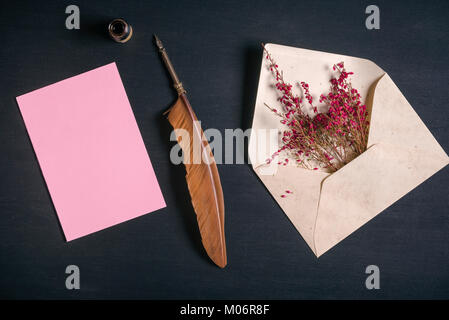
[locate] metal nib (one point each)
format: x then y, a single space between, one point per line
158 42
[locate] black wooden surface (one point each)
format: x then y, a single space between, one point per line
215 48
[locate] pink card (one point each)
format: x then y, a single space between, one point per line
91 152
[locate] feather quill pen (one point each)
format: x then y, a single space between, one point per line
202 176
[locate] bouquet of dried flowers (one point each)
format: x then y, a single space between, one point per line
327 140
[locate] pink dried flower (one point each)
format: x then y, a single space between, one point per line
332 138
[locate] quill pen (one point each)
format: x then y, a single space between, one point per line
202 176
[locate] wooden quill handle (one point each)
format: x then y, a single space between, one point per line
202 176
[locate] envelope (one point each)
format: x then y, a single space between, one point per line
401 153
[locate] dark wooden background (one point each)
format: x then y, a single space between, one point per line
215 48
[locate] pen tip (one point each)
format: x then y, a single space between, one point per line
158 42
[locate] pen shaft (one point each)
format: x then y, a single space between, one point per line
171 70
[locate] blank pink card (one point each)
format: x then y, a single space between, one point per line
91 152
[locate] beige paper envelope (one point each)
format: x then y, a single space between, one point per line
402 153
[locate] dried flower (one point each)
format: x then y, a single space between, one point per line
329 139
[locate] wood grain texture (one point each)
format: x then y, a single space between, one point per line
202 178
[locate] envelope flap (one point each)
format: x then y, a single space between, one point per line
401 148
394 121
301 203
366 186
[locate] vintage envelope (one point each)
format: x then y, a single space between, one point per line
402 153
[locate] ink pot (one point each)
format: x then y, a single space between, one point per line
120 30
